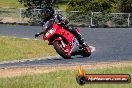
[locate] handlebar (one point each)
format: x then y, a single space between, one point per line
38 34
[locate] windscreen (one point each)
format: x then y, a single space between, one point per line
48 25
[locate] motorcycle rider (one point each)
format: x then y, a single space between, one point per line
48 14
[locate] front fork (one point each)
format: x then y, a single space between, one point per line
63 44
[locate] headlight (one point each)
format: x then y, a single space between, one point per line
51 31
47 34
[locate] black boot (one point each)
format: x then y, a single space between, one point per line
81 40
77 35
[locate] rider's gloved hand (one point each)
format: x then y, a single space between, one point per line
62 23
66 21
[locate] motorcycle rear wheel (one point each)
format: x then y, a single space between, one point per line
86 52
59 50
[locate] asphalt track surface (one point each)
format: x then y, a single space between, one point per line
112 44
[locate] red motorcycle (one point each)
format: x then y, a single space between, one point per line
64 42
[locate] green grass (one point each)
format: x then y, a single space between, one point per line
8 8
8 12
10 4
16 4
62 5
18 49
62 79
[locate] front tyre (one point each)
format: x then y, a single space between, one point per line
60 50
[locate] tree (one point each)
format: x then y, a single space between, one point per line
91 5
100 5
37 4
125 6
35 16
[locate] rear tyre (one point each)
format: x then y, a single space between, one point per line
59 50
86 52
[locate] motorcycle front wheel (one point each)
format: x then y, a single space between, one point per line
60 50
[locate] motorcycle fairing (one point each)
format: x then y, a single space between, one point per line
59 30
74 45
